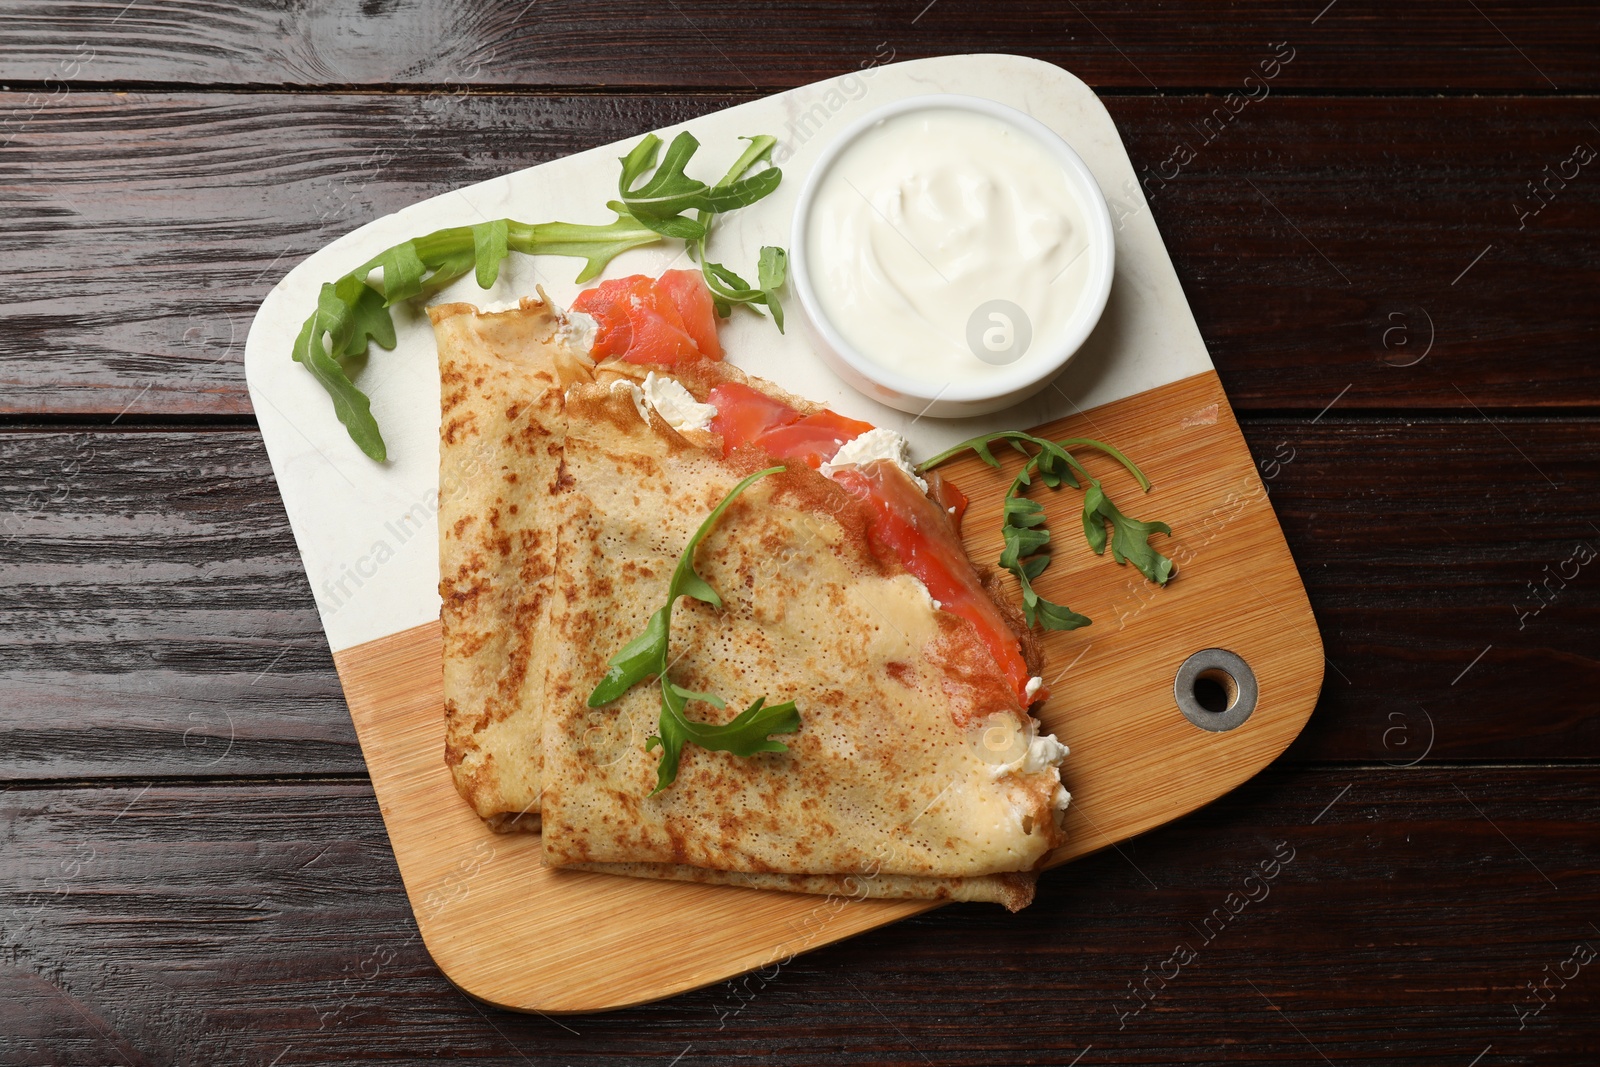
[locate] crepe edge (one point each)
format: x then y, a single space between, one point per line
462 345
1013 889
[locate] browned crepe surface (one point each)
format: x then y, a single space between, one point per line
894 771
501 378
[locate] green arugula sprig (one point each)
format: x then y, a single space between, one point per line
660 201
1023 525
646 656
354 311
727 288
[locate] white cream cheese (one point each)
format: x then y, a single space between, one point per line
576 330
877 443
675 404
924 222
1034 685
623 385
1042 753
500 306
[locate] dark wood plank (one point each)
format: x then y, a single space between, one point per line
158 621
139 280
1313 236
1446 564
156 618
1378 916
1394 246
1352 44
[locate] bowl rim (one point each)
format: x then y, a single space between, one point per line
1101 238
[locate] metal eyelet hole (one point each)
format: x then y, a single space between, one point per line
1215 689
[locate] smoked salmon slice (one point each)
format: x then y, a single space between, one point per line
662 321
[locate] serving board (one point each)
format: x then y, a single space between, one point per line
512 932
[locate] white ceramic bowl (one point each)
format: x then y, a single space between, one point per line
1009 384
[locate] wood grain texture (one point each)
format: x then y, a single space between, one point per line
1463 527
1402 932
146 309
1317 239
1357 45
145 590
151 579
1139 763
157 618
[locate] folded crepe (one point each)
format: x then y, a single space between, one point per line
568 492
501 378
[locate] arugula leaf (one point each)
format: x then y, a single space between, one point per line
324 339
1057 450
727 288
646 655
596 245
369 319
1024 534
680 226
639 160
746 735
1023 528
354 310
490 244
1130 537
771 269
1052 616
639 659
670 191
402 273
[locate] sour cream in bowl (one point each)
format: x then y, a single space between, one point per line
950 255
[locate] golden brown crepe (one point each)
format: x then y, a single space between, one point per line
1015 891
909 764
500 439
565 502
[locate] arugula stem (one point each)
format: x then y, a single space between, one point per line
1112 451
1013 435
353 311
1023 528
645 656
718 278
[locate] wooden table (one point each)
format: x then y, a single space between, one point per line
192 865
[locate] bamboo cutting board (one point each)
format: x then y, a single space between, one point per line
510 931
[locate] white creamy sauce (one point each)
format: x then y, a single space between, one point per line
877 443
929 216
